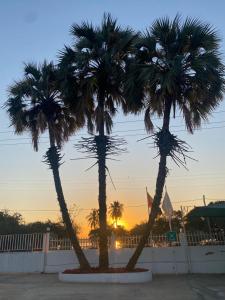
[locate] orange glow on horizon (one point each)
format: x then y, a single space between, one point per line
120 222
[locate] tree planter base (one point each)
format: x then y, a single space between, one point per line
125 277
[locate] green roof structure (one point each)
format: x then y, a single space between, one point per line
207 211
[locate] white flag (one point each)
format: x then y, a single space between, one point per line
167 206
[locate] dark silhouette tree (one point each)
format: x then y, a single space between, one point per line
178 67
10 223
35 105
116 211
93 218
99 58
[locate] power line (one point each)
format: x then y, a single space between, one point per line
132 181
117 131
123 178
159 118
215 199
94 188
141 120
128 135
87 209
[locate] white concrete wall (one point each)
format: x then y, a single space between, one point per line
210 259
173 260
22 262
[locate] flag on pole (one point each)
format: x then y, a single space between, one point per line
149 200
167 206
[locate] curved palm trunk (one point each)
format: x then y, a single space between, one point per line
160 182
54 163
103 238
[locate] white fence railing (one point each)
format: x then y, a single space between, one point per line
21 242
48 242
153 241
65 244
205 239
156 241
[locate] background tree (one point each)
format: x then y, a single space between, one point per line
161 225
99 57
14 224
116 211
120 231
10 223
93 218
178 67
35 105
56 228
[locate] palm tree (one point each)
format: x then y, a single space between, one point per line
35 105
93 218
116 211
99 57
178 68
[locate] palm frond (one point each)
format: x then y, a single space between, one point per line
36 101
101 57
31 69
178 61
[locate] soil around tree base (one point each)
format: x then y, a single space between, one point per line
99 271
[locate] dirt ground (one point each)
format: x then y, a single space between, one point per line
47 286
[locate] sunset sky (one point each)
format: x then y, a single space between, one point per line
32 31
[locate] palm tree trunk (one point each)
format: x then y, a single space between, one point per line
84 264
103 238
160 182
101 152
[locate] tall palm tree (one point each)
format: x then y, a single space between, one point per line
93 218
35 106
178 68
116 211
99 57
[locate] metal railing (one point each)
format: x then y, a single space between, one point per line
65 244
205 239
21 242
119 242
48 242
155 241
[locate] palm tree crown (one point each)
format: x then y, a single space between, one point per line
116 211
93 218
99 56
35 103
178 66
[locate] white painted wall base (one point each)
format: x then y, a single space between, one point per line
22 262
138 277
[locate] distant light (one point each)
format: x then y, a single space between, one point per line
118 245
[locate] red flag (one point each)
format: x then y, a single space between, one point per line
149 199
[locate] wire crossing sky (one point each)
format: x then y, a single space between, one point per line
32 31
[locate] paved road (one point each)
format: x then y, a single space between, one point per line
182 287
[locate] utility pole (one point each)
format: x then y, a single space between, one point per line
182 219
207 218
